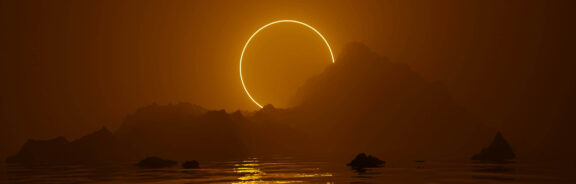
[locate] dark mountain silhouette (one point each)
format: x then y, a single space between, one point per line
182 131
365 102
362 102
202 134
498 151
100 146
35 151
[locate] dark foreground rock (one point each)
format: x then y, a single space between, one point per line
498 151
365 161
190 164
156 162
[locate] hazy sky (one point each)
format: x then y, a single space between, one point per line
70 67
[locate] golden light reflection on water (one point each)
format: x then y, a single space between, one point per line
314 175
250 171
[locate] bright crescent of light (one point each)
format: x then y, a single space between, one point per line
265 26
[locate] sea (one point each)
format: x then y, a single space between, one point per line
291 170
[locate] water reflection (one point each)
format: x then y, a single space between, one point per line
280 170
249 171
252 171
494 171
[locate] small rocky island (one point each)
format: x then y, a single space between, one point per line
155 163
365 161
191 164
498 151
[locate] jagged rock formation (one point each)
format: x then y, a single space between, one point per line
365 161
498 151
156 162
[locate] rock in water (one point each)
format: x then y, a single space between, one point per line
190 164
498 151
156 162
365 161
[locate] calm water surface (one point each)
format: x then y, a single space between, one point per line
287 170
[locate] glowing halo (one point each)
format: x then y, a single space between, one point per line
265 26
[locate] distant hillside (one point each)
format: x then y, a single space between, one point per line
365 102
362 103
98 147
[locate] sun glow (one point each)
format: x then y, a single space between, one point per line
265 26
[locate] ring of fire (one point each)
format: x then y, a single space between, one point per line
265 26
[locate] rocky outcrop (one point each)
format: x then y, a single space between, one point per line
365 161
498 151
190 164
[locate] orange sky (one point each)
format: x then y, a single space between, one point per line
73 66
